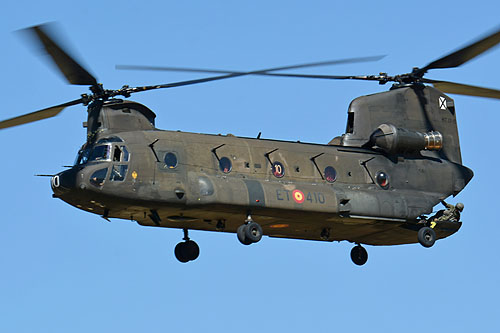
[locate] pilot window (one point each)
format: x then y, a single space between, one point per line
100 153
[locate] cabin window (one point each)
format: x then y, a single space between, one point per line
100 153
118 172
278 169
330 174
170 160
225 165
383 180
97 178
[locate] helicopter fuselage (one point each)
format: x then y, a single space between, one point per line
294 190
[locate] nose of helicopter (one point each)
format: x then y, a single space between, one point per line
63 182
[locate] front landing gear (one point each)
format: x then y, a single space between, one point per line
359 255
250 232
187 250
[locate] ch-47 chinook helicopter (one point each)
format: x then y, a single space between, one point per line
374 184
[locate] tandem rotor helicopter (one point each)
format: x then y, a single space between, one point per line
375 184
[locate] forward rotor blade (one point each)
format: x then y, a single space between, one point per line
464 89
465 54
38 115
178 84
219 71
236 74
72 70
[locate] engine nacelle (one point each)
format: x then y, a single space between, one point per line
399 140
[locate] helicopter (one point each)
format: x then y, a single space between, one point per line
375 184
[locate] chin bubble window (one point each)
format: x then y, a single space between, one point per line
97 178
225 165
278 169
330 174
383 180
170 160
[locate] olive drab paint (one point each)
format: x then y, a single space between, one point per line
372 200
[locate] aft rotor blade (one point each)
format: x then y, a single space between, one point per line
219 71
463 55
328 77
464 89
38 115
69 67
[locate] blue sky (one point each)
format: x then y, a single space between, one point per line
66 270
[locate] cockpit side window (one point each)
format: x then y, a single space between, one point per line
117 154
125 153
119 169
120 154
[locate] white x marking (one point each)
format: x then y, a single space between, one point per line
442 103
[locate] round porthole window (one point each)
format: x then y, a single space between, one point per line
278 169
225 165
383 180
330 174
170 160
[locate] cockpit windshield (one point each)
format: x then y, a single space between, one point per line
100 153
82 157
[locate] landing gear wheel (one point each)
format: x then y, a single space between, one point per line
253 232
192 250
250 232
180 252
241 232
359 255
187 250
426 237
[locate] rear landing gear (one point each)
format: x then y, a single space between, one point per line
187 250
426 236
250 232
359 255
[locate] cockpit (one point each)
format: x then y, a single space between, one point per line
105 150
112 153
